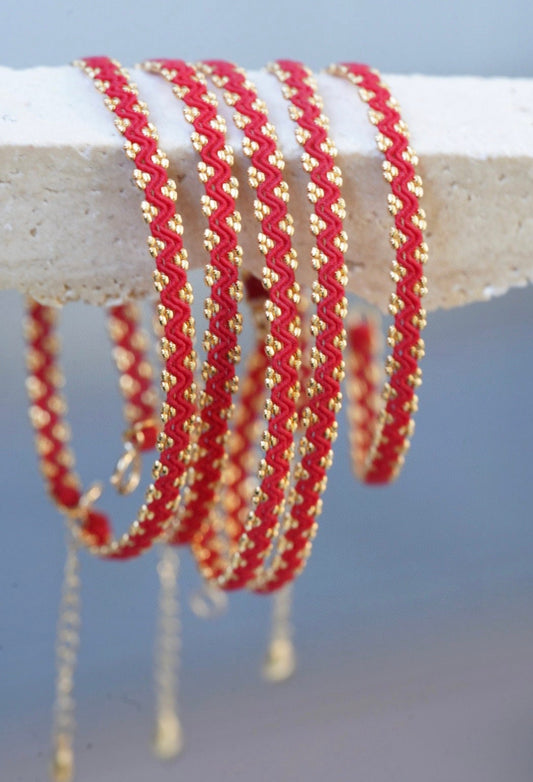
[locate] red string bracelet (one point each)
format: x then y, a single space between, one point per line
281 345
380 458
48 410
328 294
318 416
222 276
137 386
237 474
362 383
86 525
178 411
229 524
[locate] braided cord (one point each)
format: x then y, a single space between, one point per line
178 411
130 346
318 417
362 378
48 406
236 492
47 411
281 344
207 545
226 290
382 459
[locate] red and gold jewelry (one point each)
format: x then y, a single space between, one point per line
225 528
362 382
222 277
86 525
200 108
137 387
48 410
266 547
165 244
281 345
380 457
318 417
252 549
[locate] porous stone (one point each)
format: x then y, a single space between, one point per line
71 225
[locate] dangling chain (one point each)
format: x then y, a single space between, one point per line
168 739
280 659
67 643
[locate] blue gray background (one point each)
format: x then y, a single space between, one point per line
414 618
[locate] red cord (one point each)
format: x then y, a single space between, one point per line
170 277
136 376
265 176
222 276
362 377
381 460
235 491
324 395
48 408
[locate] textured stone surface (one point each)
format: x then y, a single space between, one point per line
70 221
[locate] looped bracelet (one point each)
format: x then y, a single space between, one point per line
364 343
216 407
85 525
318 417
226 290
247 563
281 343
136 383
170 277
48 410
379 457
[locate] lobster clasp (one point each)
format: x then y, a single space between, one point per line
141 437
127 473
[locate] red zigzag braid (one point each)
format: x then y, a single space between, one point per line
362 383
380 458
324 391
137 386
236 494
178 411
227 524
281 345
328 294
48 409
226 290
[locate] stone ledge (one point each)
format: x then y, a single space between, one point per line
70 220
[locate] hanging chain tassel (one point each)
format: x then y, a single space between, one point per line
168 740
280 660
67 644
